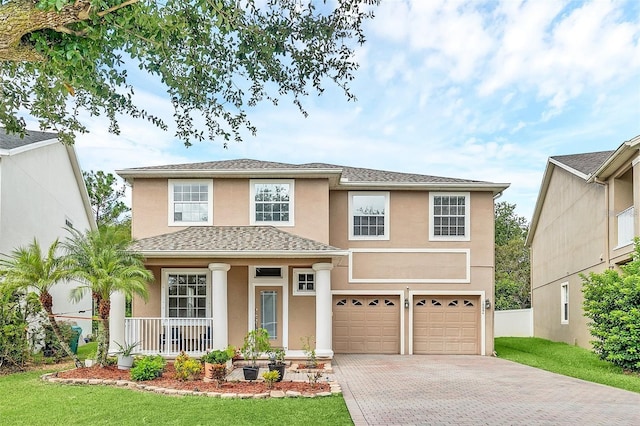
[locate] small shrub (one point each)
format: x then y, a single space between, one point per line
271 377
148 368
314 377
186 367
312 361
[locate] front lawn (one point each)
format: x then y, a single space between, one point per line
565 359
27 400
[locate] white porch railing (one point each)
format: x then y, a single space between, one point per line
169 336
625 227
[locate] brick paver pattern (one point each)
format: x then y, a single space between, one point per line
473 390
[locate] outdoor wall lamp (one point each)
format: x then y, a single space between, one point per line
487 304
406 303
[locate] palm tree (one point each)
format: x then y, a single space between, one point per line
26 268
102 260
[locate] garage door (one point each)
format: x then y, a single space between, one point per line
446 325
366 324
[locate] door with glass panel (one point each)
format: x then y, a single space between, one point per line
269 312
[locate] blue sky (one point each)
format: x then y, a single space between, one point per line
468 89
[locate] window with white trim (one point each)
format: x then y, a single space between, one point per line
368 215
564 303
304 282
449 216
272 202
186 293
190 202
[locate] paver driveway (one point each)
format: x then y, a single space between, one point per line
466 390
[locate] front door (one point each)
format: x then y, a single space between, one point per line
269 312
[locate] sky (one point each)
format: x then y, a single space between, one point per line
466 89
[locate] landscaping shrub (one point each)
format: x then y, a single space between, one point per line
186 367
148 368
16 312
612 303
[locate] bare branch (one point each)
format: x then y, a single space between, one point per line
114 8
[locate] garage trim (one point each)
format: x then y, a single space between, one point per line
398 293
449 293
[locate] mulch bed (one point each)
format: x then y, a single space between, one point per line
168 380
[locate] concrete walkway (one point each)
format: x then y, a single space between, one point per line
472 390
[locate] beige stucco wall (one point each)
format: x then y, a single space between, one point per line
569 239
231 207
409 229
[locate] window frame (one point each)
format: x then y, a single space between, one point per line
171 183
164 286
387 221
252 201
303 271
564 303
467 218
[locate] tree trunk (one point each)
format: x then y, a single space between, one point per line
104 309
47 302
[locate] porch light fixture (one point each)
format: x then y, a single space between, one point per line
406 303
487 304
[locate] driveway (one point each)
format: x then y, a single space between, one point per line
471 390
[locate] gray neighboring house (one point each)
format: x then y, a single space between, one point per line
42 191
584 221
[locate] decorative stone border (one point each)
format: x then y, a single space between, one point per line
51 377
327 368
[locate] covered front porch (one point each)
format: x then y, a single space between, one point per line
209 300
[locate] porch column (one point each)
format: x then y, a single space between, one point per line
219 286
323 309
116 321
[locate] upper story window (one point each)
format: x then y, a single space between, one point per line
272 202
449 216
369 215
304 282
190 202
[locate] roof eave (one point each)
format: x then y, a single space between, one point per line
235 173
242 254
435 186
621 155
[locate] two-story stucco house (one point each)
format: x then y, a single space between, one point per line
584 221
365 261
42 191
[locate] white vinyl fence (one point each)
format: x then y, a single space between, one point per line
513 323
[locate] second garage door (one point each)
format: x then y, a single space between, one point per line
446 325
366 324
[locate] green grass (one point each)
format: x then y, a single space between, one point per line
88 350
565 359
27 400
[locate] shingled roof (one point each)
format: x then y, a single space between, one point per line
12 141
586 163
234 241
347 174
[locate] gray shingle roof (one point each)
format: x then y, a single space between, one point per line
351 174
231 239
586 163
11 141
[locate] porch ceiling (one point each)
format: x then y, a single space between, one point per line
233 241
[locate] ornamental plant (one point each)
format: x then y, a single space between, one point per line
186 367
147 368
270 377
612 303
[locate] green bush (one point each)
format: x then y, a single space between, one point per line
17 310
186 367
148 368
612 303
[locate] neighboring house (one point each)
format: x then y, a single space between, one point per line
584 221
42 191
364 261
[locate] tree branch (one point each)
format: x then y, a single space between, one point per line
119 6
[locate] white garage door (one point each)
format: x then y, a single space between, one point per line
366 324
446 325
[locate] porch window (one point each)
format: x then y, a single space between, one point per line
304 282
186 293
